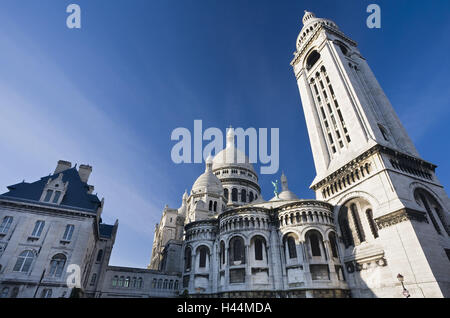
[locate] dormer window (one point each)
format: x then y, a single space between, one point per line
54 190
48 195
56 196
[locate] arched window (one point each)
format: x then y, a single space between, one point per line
24 262
333 243
5 292
215 206
372 224
344 227
222 252
203 250
127 282
133 282
312 59
259 245
357 223
115 281
121 280
225 193
243 195
234 195
140 282
210 205
154 283
166 282
57 265
237 251
292 250
427 201
171 284
250 196
314 244
175 285
99 255
187 259
160 283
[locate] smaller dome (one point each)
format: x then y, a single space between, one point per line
285 193
208 181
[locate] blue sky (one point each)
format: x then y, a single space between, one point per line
111 93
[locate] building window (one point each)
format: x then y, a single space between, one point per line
315 244
38 227
57 265
6 224
357 223
24 262
372 224
46 293
140 282
237 251
222 252
99 255
383 132
234 195
115 281
154 283
133 282
259 249
175 285
5 292
250 196
210 205
48 195
127 282
428 202
243 195
121 280
333 243
215 206
160 283
203 253
93 279
56 197
15 292
165 284
187 259
312 59
68 232
292 250
225 193
171 284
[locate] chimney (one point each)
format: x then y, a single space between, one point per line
62 165
84 171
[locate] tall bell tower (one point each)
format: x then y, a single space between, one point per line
391 210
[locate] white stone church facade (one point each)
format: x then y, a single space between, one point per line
379 210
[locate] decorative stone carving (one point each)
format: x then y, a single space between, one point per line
400 216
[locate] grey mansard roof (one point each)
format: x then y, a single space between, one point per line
76 197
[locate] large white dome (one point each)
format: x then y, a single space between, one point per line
231 156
